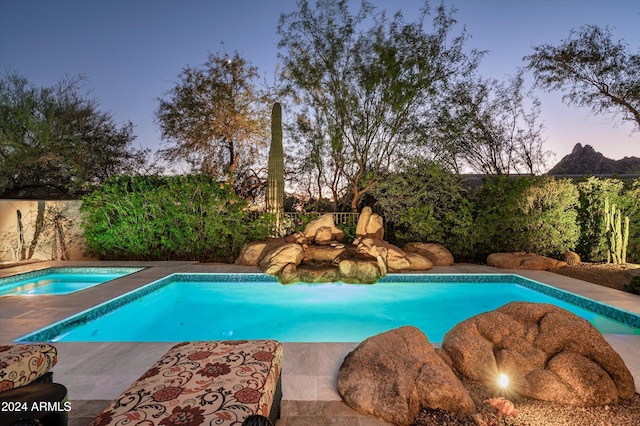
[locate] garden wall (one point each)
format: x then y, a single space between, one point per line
41 230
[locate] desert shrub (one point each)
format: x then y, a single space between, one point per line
549 206
633 286
425 203
592 243
168 218
526 214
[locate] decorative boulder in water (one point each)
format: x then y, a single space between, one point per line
547 352
359 271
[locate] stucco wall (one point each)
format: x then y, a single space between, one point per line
50 229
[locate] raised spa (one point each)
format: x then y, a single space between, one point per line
63 280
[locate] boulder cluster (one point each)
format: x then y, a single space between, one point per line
547 353
319 254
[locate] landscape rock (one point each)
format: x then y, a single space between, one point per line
323 236
322 221
289 274
297 237
322 254
392 374
522 260
253 252
359 271
438 254
318 274
275 261
547 352
418 262
370 225
571 258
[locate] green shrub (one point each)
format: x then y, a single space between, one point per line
168 218
425 203
633 286
526 214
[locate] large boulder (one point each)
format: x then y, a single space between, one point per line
359 271
370 225
522 260
317 274
571 258
314 254
436 253
275 261
253 252
393 374
396 259
326 220
323 236
418 262
547 352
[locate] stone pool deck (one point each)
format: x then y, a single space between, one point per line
95 373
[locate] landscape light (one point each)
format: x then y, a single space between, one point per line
503 380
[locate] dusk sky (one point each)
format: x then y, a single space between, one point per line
132 50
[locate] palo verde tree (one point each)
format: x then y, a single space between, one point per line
366 79
57 137
216 118
593 70
490 127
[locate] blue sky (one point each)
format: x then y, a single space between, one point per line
132 50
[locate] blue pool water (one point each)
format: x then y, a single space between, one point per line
250 306
62 280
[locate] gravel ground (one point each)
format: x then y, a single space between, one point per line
537 413
605 274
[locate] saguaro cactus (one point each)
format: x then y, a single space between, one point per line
617 234
275 177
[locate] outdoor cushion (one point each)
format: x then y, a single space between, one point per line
23 364
212 382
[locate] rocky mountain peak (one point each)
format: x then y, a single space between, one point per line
586 160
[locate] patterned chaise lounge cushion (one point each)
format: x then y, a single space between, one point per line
22 364
214 382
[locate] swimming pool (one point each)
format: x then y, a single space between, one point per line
184 307
60 280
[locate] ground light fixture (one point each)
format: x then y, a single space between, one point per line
503 381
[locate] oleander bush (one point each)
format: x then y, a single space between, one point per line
189 217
